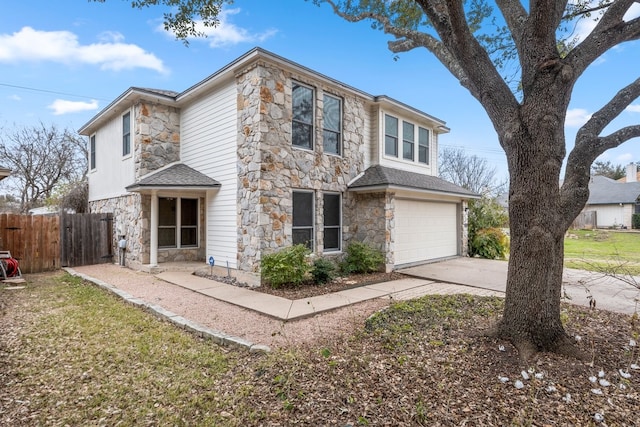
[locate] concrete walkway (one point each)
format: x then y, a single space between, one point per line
286 309
579 286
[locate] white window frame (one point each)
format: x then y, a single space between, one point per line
333 227
311 242
313 117
92 152
340 130
177 228
126 135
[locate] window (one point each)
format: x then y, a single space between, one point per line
126 134
408 140
423 145
390 136
170 211
188 222
92 152
302 127
332 124
331 210
303 218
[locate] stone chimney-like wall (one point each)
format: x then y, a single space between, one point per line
156 137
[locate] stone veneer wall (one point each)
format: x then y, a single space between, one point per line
156 140
269 167
130 218
372 221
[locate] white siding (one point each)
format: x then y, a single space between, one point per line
399 162
613 215
113 172
209 145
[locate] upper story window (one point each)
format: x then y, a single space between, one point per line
302 232
415 140
408 140
332 124
390 135
302 127
92 152
126 134
423 145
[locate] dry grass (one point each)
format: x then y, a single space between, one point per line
70 354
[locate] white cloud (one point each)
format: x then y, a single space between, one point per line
624 159
63 47
584 26
227 33
15 98
633 108
576 117
61 106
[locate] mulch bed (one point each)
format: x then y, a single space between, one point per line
311 289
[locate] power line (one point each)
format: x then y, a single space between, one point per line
33 89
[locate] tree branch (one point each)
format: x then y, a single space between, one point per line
610 31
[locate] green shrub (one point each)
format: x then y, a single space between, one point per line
287 266
323 270
635 221
490 243
486 240
361 258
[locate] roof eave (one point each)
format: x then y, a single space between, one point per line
143 189
385 187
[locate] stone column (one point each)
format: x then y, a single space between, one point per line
153 255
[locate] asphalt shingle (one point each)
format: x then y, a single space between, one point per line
383 176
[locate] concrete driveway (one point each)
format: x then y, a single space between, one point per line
609 293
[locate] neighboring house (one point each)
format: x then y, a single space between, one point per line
613 201
4 172
266 153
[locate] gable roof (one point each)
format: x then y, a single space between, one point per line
604 191
381 177
179 99
176 176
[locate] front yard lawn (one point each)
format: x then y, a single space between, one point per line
72 354
598 250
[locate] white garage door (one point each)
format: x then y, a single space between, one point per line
425 231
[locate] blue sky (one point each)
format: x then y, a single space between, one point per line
62 61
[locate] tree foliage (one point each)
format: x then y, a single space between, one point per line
607 169
42 159
185 18
486 220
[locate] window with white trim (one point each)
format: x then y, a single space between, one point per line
332 222
177 222
408 140
92 152
126 134
302 126
390 135
332 124
303 208
423 145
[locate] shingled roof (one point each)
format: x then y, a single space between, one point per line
605 191
177 176
383 177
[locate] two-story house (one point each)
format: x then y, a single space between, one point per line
266 153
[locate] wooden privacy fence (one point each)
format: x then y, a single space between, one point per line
586 220
86 239
34 240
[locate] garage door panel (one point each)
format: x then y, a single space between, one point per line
425 231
